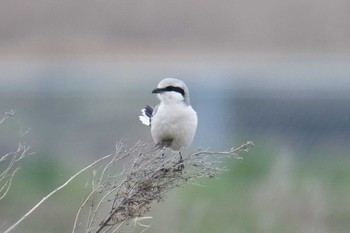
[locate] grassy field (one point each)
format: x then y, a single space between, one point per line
266 192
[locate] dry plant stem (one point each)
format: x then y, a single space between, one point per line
11 160
7 115
95 188
6 187
114 160
52 193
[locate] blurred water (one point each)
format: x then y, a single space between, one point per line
80 108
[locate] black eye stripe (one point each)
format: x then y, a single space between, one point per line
176 89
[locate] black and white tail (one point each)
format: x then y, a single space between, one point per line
146 116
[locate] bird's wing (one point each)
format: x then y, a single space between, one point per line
155 110
147 114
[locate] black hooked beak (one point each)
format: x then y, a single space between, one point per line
158 90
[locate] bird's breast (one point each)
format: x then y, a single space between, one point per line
174 122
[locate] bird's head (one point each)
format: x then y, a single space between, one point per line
171 90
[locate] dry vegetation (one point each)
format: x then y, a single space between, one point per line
123 189
9 161
145 176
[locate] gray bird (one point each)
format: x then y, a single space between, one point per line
173 121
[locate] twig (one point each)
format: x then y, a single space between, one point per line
10 160
7 115
6 187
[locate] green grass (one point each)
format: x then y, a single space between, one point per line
266 192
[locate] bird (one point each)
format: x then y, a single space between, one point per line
173 121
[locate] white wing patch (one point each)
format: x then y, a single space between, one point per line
146 116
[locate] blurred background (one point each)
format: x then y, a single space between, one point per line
274 72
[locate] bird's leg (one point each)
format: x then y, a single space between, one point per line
162 147
180 163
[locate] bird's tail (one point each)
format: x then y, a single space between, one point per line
146 116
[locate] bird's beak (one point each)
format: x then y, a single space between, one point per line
157 90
